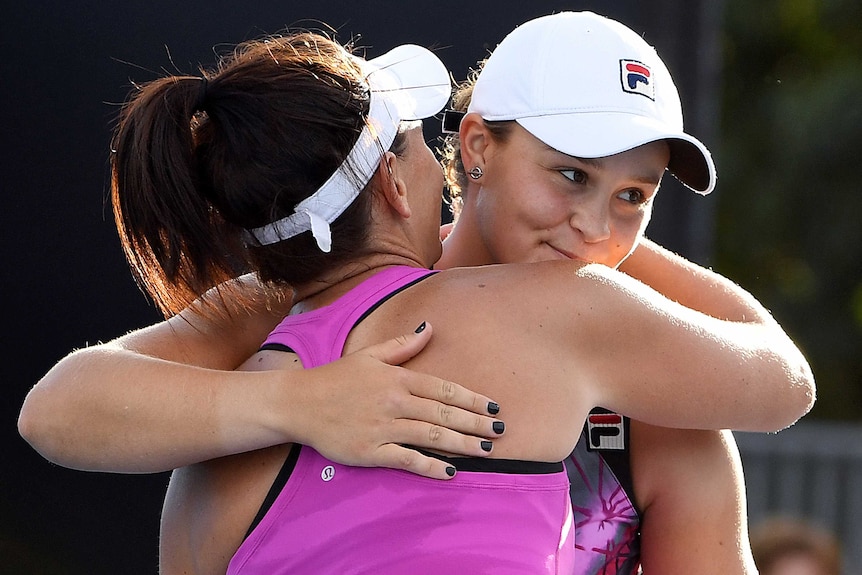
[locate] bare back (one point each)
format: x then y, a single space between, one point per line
539 338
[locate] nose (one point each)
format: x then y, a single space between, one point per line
591 219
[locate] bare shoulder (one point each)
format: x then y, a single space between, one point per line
553 308
215 331
558 284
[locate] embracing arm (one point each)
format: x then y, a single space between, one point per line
656 360
691 481
160 398
691 285
710 293
691 488
151 400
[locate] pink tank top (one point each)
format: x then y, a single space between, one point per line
494 516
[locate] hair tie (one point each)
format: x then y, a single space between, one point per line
202 93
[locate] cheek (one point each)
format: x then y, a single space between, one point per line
432 165
432 178
523 210
626 235
528 203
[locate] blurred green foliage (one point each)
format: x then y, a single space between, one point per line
790 194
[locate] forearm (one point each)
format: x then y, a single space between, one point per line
755 377
153 399
116 407
692 285
95 411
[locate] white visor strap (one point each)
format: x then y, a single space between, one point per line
315 212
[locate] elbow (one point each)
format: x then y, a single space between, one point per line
34 425
38 426
804 393
28 424
43 421
47 434
795 399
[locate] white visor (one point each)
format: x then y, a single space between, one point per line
407 83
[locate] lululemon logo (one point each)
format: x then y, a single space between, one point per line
328 473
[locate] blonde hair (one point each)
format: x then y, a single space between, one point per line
450 153
453 167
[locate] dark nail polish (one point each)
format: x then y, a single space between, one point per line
421 328
486 445
498 427
493 408
450 471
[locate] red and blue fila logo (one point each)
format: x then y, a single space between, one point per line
606 431
637 78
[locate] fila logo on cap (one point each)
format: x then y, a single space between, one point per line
636 78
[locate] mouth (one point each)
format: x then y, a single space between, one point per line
563 254
567 255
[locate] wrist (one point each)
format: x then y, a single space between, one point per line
287 407
255 409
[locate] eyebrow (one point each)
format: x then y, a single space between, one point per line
650 180
599 164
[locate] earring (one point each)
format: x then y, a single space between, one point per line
476 173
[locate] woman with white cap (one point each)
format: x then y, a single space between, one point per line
567 341
584 97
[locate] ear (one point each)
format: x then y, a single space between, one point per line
391 183
475 140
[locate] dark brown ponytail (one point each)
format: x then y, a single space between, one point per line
196 162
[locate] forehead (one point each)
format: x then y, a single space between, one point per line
650 154
645 163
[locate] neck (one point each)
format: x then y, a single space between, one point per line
339 281
464 247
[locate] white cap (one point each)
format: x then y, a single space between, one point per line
407 83
589 87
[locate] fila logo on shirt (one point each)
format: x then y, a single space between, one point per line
636 78
606 431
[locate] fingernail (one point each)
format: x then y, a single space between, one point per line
493 408
450 471
486 445
498 427
420 329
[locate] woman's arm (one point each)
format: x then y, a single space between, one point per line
160 398
689 284
653 359
690 482
723 331
691 487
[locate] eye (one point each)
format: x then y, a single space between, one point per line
575 175
633 196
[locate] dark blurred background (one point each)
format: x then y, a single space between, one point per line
772 87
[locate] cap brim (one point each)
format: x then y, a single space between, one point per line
419 79
600 134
